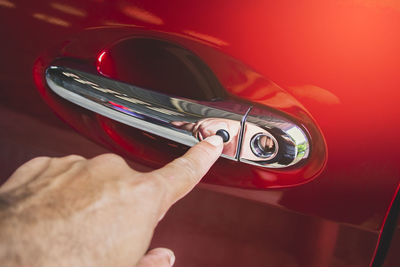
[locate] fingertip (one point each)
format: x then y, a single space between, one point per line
158 257
217 145
185 172
215 140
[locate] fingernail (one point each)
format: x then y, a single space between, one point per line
171 259
214 140
171 256
164 252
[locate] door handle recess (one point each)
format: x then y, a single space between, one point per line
256 136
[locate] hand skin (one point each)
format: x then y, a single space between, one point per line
73 211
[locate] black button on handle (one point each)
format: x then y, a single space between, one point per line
224 134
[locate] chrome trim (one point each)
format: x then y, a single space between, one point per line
255 148
242 128
179 120
182 120
293 144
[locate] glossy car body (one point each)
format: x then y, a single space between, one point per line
335 61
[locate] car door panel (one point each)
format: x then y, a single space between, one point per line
332 65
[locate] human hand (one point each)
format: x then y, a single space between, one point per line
72 211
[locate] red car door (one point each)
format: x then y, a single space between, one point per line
327 68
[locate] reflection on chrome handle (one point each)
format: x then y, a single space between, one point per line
180 120
269 141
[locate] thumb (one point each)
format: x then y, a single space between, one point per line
158 257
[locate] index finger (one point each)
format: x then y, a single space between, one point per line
183 173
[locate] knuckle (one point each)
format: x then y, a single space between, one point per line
73 157
38 162
40 159
66 160
109 159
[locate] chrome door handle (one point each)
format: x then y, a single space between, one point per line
266 139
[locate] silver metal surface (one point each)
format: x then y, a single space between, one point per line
291 140
264 146
182 120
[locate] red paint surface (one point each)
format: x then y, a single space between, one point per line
338 59
115 63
